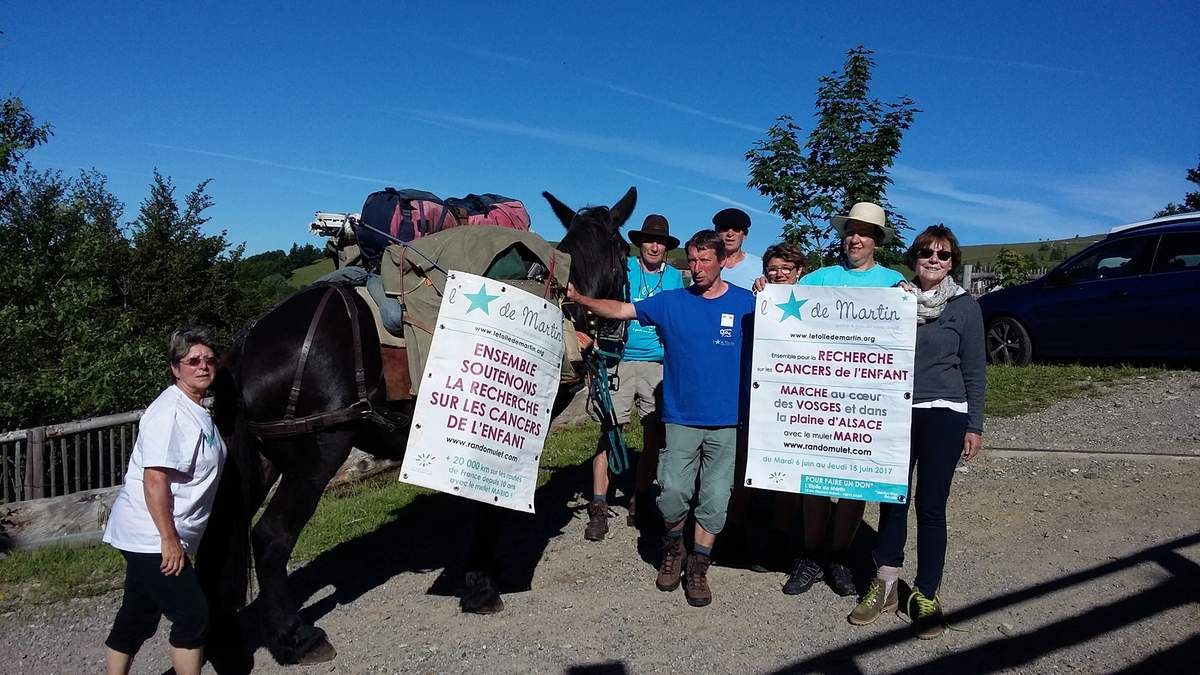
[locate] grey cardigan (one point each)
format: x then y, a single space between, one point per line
950 359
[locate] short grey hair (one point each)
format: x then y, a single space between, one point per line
183 339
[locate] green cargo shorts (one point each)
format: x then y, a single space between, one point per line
705 451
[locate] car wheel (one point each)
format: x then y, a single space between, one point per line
1008 342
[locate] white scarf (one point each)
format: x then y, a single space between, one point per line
930 305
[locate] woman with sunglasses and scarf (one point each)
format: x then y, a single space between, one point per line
947 423
162 509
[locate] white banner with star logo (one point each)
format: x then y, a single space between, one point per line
831 391
489 383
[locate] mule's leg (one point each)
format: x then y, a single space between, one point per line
481 594
223 561
306 467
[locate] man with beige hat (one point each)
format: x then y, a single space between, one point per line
829 527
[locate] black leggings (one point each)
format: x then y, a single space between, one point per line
149 594
937 443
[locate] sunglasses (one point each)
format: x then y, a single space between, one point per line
195 361
929 253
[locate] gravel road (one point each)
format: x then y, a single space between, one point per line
1058 562
1143 414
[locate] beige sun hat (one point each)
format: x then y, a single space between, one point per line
864 212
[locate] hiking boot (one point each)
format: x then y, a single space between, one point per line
875 603
804 574
670 571
926 614
597 525
696 590
840 579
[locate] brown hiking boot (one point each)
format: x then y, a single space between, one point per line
697 591
874 603
597 525
671 569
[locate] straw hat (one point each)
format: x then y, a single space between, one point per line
864 212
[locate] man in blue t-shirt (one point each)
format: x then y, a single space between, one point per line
640 372
704 330
829 527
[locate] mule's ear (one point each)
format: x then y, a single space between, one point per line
624 208
565 213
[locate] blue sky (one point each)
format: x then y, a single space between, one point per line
1040 120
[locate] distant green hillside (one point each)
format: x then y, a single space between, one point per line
304 276
1046 253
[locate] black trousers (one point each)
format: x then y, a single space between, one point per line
150 594
937 443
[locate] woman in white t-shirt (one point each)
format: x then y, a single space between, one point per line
159 516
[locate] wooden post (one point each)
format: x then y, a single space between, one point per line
5 497
35 461
112 459
966 280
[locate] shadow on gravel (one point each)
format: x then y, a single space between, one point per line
606 668
430 533
1180 588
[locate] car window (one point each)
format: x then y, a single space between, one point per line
1178 251
1114 259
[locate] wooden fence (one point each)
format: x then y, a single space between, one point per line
980 280
63 458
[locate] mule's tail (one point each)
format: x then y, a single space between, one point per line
224 557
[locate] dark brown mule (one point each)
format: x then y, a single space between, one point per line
259 383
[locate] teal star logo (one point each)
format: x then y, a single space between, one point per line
791 307
480 299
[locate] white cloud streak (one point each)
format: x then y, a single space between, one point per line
928 196
1121 195
711 195
1086 203
459 46
713 166
278 165
489 54
680 107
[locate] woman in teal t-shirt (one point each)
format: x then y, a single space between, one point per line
829 528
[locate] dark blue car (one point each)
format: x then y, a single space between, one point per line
1133 295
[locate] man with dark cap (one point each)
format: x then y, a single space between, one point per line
640 371
741 268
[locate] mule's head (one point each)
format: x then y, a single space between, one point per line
597 249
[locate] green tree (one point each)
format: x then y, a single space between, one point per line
1191 200
19 133
180 275
85 303
1012 267
845 159
64 337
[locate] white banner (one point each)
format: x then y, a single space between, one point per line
490 380
831 392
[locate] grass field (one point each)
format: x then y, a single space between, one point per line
58 572
304 276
